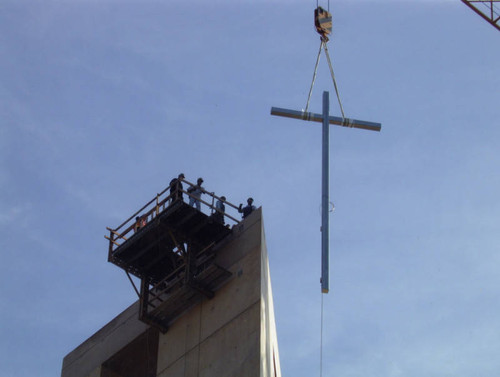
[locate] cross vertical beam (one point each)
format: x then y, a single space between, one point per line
326 120
325 187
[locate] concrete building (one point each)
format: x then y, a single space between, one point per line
232 334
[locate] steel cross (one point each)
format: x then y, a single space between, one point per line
326 119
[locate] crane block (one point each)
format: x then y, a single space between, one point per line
323 22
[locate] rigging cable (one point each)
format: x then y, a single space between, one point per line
324 46
333 78
314 77
323 24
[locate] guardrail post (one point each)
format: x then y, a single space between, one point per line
110 249
157 204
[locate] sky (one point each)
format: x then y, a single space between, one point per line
103 102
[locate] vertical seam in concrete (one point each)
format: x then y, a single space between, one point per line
199 341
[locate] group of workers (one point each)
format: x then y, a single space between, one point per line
195 192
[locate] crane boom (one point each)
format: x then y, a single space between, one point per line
489 10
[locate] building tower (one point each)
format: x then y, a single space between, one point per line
205 305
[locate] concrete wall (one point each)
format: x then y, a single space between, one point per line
233 334
87 358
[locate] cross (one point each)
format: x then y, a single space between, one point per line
326 119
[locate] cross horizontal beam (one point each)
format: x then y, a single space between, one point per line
344 122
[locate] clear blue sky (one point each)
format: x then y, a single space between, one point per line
103 102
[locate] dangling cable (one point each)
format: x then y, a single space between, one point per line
321 341
314 77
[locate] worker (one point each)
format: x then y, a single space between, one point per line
176 188
248 209
195 194
218 215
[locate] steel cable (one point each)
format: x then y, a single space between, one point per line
333 78
314 77
324 46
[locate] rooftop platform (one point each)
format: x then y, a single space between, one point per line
155 250
171 246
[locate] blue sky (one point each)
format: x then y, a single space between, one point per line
102 103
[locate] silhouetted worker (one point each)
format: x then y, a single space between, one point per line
176 188
219 216
248 209
196 191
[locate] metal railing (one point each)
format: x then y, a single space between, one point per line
156 206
